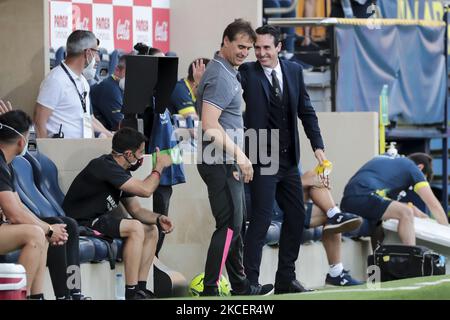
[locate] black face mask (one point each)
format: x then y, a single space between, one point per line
136 165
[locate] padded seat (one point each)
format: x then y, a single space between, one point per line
87 250
11 257
32 197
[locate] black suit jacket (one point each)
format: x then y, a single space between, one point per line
256 95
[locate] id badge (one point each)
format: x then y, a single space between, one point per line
88 132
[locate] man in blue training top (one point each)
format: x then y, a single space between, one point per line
183 98
107 98
370 191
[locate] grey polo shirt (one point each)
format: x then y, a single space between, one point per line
220 88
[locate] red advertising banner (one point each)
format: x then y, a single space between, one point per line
161 30
143 3
118 24
123 29
82 16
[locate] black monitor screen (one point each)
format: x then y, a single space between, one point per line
148 76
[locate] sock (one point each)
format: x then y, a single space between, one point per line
142 285
39 296
336 269
130 290
332 211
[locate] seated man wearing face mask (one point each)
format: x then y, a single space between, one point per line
63 104
107 98
94 196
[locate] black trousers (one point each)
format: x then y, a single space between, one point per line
161 202
226 197
286 188
59 258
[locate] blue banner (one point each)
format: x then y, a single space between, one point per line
411 9
408 58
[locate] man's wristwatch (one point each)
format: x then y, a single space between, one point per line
49 232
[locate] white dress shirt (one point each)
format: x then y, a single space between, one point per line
268 73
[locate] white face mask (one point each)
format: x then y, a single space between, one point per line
122 84
90 71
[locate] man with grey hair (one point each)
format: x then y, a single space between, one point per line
63 107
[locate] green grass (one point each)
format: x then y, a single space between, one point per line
407 289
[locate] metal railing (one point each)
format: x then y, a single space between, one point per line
271 11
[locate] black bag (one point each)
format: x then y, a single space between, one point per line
399 261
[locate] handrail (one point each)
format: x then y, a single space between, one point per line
299 22
270 11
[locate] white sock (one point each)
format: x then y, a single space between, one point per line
336 269
332 211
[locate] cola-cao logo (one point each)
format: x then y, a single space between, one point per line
123 30
82 24
162 31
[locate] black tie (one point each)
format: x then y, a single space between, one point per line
276 85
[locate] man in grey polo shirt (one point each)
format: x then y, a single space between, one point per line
224 167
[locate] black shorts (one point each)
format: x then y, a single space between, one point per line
371 207
108 224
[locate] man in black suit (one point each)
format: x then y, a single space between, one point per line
275 95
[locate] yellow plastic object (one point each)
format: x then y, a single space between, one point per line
324 169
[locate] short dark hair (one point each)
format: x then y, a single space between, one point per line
239 26
191 71
273 31
127 139
426 160
122 62
16 119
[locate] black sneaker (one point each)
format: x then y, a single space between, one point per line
293 287
79 297
342 222
149 294
139 295
255 290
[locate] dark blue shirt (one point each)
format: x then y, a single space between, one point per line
183 98
107 101
385 176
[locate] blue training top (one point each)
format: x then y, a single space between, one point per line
183 98
385 176
107 101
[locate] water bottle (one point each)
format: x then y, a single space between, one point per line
392 150
120 287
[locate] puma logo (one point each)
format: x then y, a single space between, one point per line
343 282
339 219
